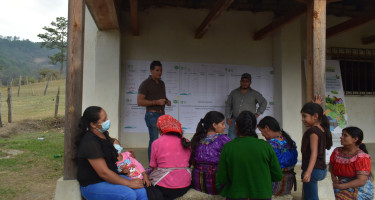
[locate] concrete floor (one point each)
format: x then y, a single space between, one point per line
325 186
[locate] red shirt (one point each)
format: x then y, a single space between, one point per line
350 165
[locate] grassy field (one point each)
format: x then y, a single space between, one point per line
37 106
31 147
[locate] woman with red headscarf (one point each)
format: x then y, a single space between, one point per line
170 155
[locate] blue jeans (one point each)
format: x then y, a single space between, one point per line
151 118
105 190
310 189
231 129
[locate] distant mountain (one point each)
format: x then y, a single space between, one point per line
23 57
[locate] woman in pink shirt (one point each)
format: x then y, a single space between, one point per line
170 155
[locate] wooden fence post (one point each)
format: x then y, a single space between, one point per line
45 90
19 85
32 90
9 101
57 102
1 121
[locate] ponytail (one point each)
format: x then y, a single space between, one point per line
288 139
204 125
200 133
325 124
184 142
91 114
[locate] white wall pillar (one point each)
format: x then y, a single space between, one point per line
288 82
101 79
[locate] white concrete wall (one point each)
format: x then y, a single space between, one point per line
101 77
167 34
360 109
288 82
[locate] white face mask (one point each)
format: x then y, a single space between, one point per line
118 148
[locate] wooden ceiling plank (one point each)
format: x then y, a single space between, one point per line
134 16
351 24
219 7
104 13
280 22
368 40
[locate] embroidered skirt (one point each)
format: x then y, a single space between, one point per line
204 178
285 186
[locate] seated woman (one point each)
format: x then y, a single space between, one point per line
170 155
206 146
286 152
350 167
247 165
97 170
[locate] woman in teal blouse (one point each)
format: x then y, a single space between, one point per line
247 165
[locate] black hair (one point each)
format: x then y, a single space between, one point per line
204 125
314 108
274 126
185 143
246 124
356 132
91 114
154 64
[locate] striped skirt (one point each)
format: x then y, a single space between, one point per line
285 186
203 178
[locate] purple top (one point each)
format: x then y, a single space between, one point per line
210 147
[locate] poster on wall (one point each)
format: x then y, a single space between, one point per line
193 88
335 103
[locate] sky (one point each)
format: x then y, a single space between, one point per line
26 18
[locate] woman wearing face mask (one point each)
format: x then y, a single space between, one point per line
97 170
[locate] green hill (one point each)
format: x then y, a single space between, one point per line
22 57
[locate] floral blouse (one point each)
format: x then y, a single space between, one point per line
350 165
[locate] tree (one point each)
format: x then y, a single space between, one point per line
56 38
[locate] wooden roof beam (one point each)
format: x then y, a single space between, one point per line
104 13
328 1
134 16
351 23
368 40
280 22
219 7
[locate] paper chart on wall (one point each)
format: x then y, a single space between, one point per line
193 88
335 103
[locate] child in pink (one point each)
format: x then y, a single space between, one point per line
127 164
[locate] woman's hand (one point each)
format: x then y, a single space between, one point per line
306 177
131 153
146 181
135 184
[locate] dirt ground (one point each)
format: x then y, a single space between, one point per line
36 182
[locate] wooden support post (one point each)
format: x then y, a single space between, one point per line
73 104
318 54
32 90
309 57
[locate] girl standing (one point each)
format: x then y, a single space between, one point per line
206 147
350 167
315 141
